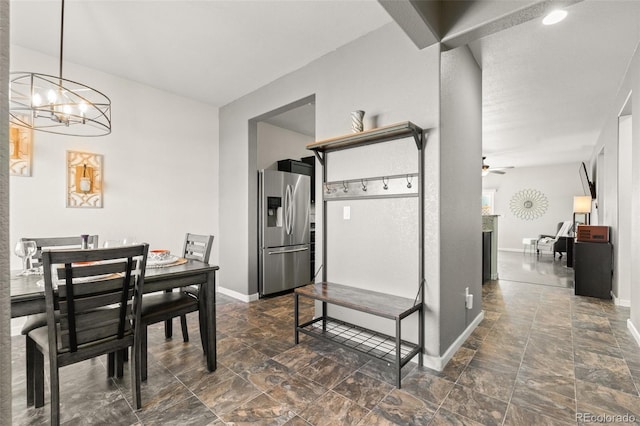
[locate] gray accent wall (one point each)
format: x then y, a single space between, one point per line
460 192
5 306
384 74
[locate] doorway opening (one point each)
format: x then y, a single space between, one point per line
285 222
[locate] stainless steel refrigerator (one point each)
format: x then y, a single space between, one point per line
283 231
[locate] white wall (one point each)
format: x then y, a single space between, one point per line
381 73
618 196
559 183
622 254
276 143
632 83
160 167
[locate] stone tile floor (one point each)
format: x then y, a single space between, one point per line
541 356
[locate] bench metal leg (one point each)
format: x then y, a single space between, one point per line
398 354
324 316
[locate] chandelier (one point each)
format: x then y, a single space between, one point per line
56 105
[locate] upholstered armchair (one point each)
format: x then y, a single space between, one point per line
555 243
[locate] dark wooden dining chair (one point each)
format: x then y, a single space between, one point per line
94 310
160 307
57 242
38 320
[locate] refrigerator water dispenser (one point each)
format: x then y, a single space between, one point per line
274 212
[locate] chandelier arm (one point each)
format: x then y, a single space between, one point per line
61 36
68 104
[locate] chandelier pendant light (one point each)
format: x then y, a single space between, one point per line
57 105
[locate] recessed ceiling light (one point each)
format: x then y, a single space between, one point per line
554 17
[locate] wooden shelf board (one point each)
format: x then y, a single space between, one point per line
380 134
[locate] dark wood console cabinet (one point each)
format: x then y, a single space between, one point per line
593 268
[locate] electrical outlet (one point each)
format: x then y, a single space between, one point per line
346 213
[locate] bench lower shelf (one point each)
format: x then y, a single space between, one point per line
367 342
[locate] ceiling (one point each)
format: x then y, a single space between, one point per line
213 51
545 89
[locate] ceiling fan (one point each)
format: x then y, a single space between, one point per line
486 169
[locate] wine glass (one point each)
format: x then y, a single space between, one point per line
24 250
129 240
112 243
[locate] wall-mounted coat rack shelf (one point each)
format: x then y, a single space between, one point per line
380 134
395 186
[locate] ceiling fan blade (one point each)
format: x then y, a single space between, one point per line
502 168
498 172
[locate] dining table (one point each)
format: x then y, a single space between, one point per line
27 294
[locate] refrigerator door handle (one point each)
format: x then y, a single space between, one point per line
288 251
285 209
288 206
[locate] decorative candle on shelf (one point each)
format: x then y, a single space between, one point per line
356 121
85 181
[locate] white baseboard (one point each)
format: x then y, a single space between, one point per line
242 297
634 331
510 249
620 302
439 362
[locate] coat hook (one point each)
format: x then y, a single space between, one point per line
385 181
326 186
345 187
409 179
364 185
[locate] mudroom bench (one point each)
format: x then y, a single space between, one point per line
390 349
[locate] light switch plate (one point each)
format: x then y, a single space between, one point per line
346 213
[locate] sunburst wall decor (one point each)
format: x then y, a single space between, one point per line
528 204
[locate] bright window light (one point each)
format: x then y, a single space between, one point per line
554 17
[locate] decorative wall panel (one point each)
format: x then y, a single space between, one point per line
84 179
20 150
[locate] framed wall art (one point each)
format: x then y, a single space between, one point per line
488 196
528 204
20 150
84 179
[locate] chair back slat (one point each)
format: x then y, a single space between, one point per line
197 247
108 331
109 284
74 242
98 302
94 319
86 303
89 269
